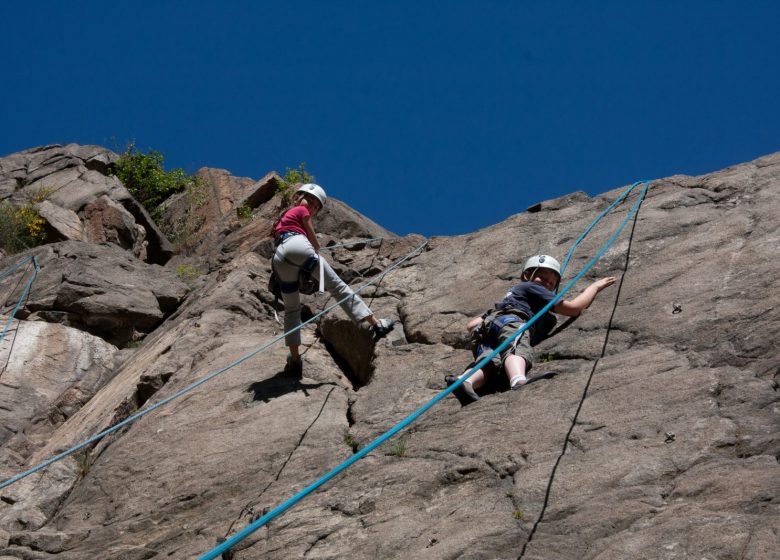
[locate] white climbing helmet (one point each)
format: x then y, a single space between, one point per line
543 261
315 190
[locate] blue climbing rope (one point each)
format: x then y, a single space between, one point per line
145 411
281 508
25 292
15 267
606 211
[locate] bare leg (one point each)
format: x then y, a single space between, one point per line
515 366
476 380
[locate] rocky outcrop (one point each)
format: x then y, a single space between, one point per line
654 433
48 371
63 224
78 197
234 215
102 290
105 221
72 174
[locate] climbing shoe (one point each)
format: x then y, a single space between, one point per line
383 327
464 393
293 368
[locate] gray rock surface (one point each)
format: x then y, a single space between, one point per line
668 386
63 224
46 371
101 289
76 194
215 232
72 175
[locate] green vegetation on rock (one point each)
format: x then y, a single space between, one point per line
145 177
22 227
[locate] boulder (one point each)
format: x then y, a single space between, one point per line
70 176
158 248
102 290
105 221
62 224
46 541
202 216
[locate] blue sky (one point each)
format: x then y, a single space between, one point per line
437 118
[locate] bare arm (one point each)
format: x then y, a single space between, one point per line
473 323
572 308
310 235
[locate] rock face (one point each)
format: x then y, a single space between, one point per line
48 371
80 200
655 434
237 214
102 290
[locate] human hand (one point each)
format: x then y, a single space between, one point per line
604 283
474 323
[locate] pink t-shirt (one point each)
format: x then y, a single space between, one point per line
292 220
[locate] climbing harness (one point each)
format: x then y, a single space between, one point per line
284 506
494 322
306 284
486 335
208 377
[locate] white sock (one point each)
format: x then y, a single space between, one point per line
517 380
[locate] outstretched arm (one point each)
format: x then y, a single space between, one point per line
572 308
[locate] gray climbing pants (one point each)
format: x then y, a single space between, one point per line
293 253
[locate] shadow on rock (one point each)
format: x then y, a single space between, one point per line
279 385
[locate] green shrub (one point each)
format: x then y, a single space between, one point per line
292 177
181 231
245 213
21 227
145 177
82 464
187 272
399 448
